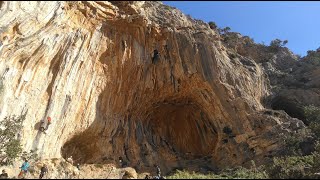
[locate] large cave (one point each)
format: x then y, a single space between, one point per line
172 133
191 108
184 126
137 80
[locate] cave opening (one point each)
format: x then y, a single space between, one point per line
290 106
184 126
172 133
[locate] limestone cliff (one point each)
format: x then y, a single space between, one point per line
138 80
294 81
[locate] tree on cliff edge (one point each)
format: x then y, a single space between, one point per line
276 44
10 147
212 25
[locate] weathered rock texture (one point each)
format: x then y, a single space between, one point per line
93 68
294 81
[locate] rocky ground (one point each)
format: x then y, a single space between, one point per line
61 169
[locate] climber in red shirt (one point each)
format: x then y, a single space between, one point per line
49 122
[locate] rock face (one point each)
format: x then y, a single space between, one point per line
137 80
294 82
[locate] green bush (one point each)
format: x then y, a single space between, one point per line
31 156
187 175
253 173
313 57
212 25
276 44
292 167
232 56
312 114
237 173
10 142
226 29
12 150
292 142
295 165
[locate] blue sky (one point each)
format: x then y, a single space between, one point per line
295 21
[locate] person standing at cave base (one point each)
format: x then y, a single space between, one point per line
43 171
4 175
70 160
24 169
120 161
158 171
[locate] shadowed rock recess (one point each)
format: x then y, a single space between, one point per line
138 80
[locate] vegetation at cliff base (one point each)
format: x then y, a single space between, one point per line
294 164
10 146
236 173
312 114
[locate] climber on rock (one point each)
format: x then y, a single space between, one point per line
156 56
49 122
42 126
43 171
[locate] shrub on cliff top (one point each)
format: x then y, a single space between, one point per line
313 57
226 29
212 25
276 44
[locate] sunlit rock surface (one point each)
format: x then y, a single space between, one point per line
138 80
